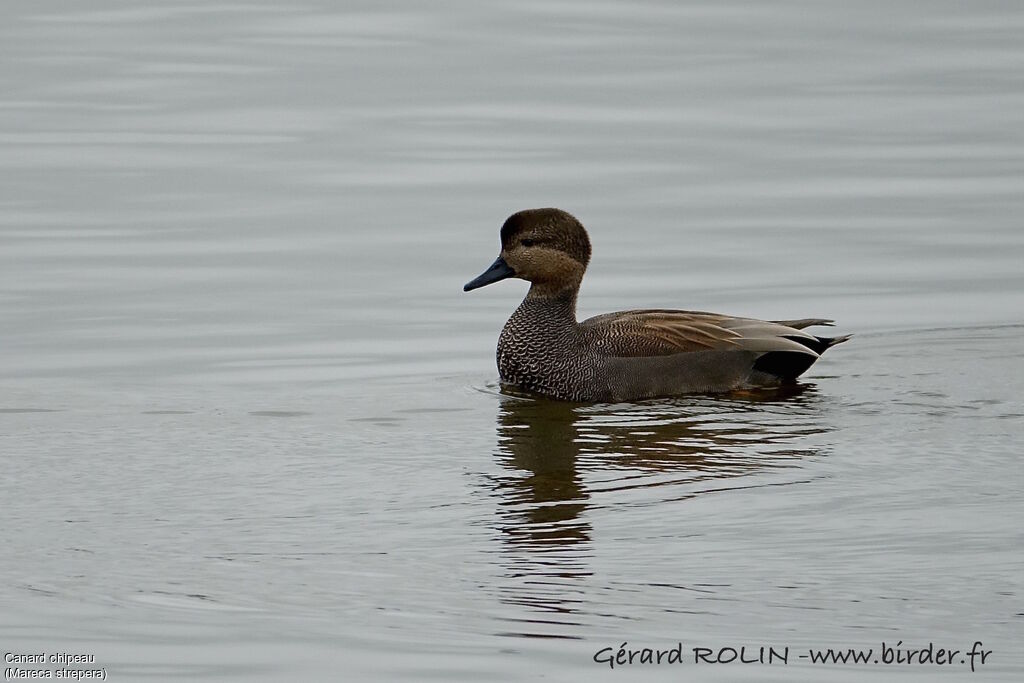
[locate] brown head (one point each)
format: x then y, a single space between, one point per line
547 247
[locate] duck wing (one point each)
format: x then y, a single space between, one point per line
661 332
657 352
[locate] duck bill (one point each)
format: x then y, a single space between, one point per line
499 270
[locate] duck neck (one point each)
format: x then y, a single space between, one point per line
555 306
536 350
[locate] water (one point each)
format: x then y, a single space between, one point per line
249 424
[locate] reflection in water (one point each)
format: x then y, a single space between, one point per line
561 459
538 439
541 507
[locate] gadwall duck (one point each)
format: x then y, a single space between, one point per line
627 355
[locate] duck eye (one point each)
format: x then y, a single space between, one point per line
528 242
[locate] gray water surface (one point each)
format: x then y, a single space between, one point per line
250 426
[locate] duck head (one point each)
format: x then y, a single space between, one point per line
547 247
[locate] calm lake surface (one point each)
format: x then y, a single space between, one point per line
250 427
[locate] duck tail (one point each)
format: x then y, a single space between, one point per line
829 342
805 322
819 344
813 342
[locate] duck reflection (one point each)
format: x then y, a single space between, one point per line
560 460
537 441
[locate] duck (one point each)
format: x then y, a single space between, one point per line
627 355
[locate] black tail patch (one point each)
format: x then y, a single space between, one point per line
786 365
